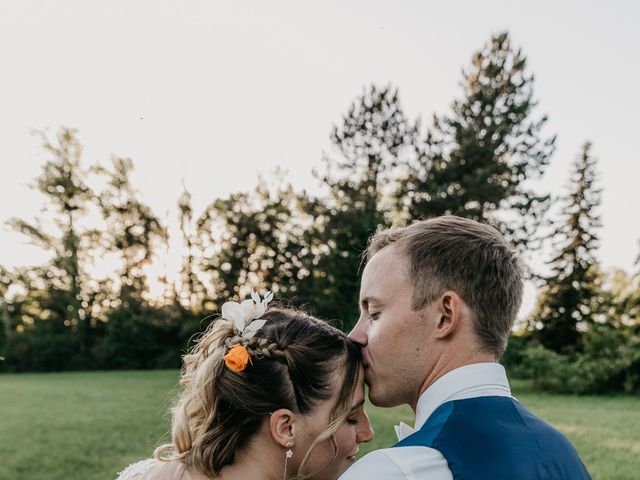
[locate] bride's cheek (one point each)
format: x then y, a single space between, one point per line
345 439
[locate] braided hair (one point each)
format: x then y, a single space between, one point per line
293 358
258 347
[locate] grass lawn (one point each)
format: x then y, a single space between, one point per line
89 425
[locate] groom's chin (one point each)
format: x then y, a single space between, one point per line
379 399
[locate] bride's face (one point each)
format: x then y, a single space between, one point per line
327 462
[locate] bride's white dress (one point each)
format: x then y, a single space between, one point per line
151 469
137 470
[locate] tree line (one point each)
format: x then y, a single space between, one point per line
478 160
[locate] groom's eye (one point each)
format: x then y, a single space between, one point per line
374 315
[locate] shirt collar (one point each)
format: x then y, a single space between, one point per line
475 380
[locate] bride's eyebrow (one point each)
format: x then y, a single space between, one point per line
356 406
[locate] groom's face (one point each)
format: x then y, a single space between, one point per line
394 337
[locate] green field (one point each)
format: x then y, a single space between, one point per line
85 426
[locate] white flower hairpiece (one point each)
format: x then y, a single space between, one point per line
244 315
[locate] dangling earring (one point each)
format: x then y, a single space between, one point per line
288 454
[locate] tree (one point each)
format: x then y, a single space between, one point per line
620 300
254 240
475 161
132 229
135 332
5 320
632 297
63 289
565 305
374 138
192 291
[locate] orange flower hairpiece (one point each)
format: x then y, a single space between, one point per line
246 320
237 358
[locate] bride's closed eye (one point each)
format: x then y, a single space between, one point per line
352 420
355 414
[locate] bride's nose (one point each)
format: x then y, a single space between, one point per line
365 430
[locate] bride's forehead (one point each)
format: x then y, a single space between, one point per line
338 375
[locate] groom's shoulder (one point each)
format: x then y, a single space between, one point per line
400 463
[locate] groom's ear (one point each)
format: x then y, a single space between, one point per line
283 426
449 310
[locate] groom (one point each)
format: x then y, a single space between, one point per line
437 300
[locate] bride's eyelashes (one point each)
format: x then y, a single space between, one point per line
374 315
352 420
355 414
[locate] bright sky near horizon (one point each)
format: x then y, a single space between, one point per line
215 92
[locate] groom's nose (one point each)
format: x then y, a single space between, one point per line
359 333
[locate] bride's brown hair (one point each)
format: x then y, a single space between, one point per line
294 358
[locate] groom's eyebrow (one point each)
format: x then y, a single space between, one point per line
367 300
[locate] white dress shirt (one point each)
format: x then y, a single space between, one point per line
416 463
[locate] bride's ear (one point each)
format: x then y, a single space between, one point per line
283 424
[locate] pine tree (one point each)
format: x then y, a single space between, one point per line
476 160
374 139
565 306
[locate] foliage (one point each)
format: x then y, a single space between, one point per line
131 231
565 306
475 161
513 358
142 339
255 239
370 143
608 360
627 296
548 369
609 363
54 317
63 292
192 292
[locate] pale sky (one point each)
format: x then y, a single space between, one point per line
216 92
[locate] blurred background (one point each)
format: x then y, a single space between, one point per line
160 158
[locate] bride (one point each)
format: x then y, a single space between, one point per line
267 394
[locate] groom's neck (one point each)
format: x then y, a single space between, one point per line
449 360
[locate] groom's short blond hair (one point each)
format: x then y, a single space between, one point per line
471 258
